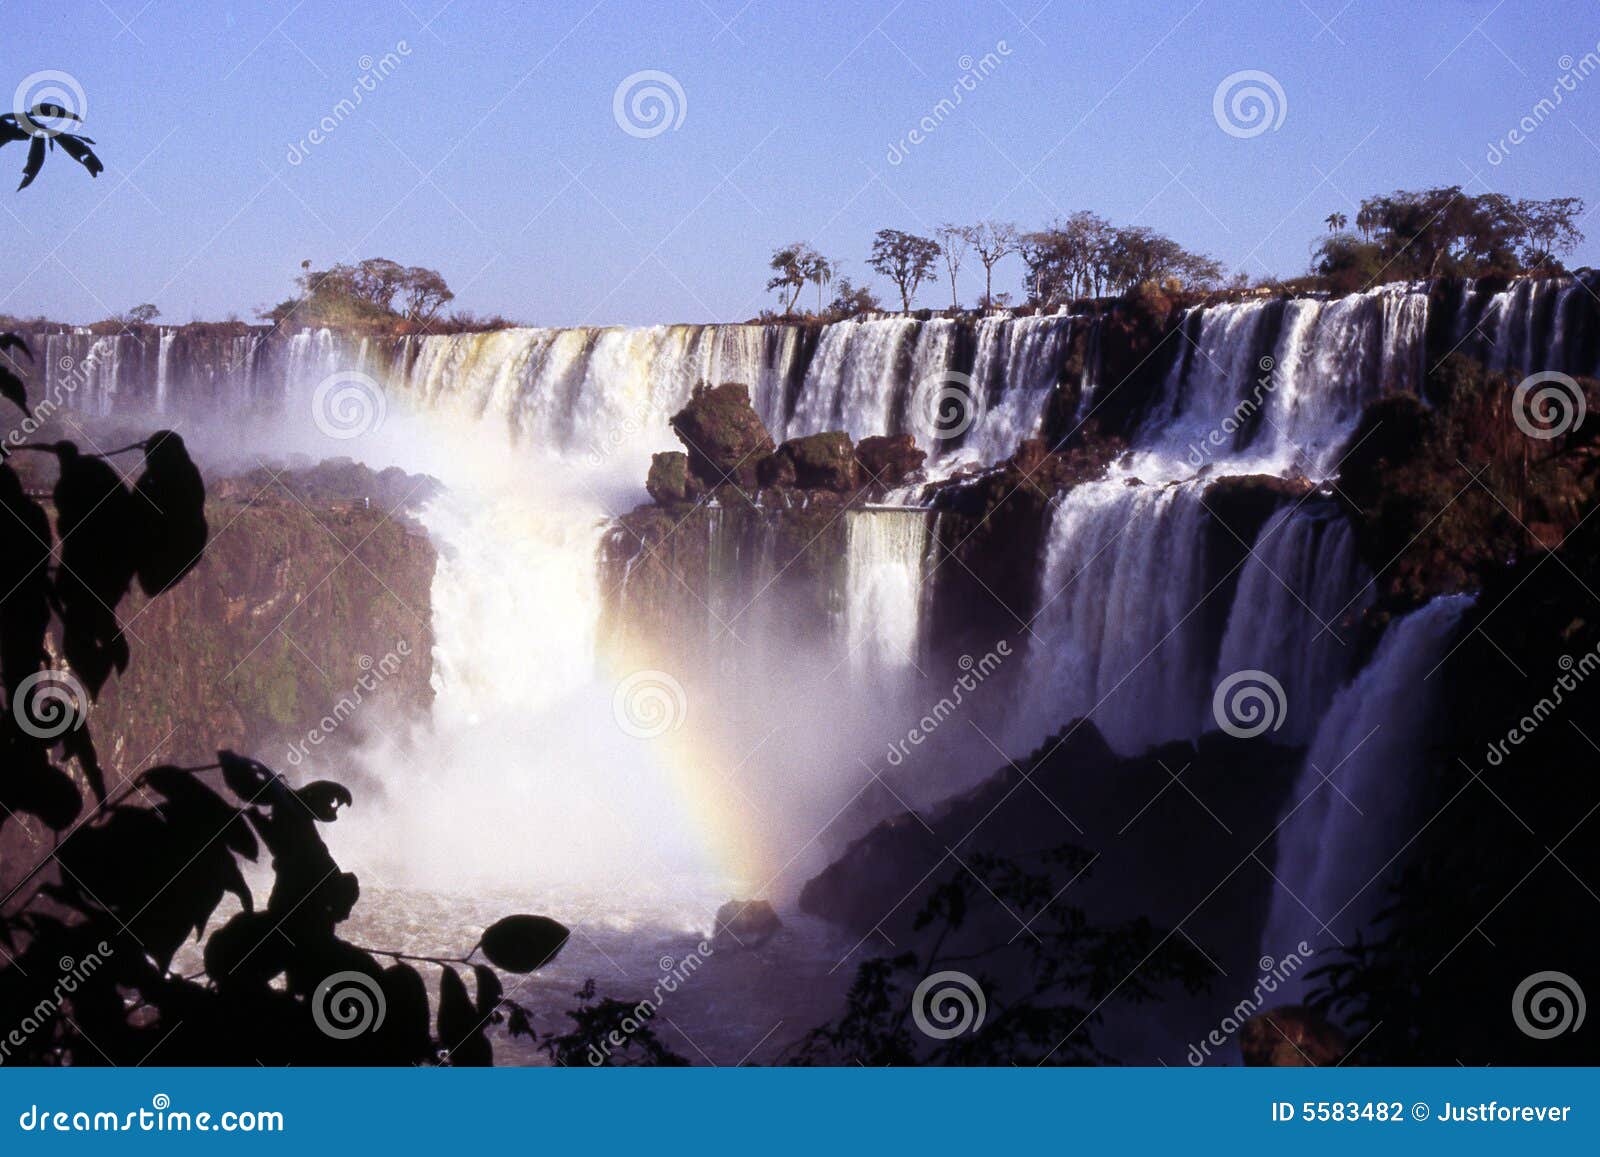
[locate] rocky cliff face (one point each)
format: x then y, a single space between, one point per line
294 616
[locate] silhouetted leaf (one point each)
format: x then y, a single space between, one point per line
169 501
93 517
523 943
460 1025
490 991
35 162
78 149
324 798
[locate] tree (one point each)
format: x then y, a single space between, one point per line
1336 221
905 259
819 271
794 267
423 293
142 314
851 300
991 240
954 241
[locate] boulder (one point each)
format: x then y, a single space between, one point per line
746 923
888 460
1291 1036
817 462
723 435
669 479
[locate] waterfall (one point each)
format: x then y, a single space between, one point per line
1119 636
1352 811
1271 386
1531 324
886 561
1302 581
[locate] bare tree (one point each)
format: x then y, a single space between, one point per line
954 241
991 240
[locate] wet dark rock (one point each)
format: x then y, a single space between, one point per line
746 924
816 462
888 461
669 479
723 435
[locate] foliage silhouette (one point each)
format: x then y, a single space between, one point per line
1054 982
36 127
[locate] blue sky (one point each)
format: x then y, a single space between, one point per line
490 150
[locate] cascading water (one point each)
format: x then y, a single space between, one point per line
1117 634
1352 811
1302 581
886 560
